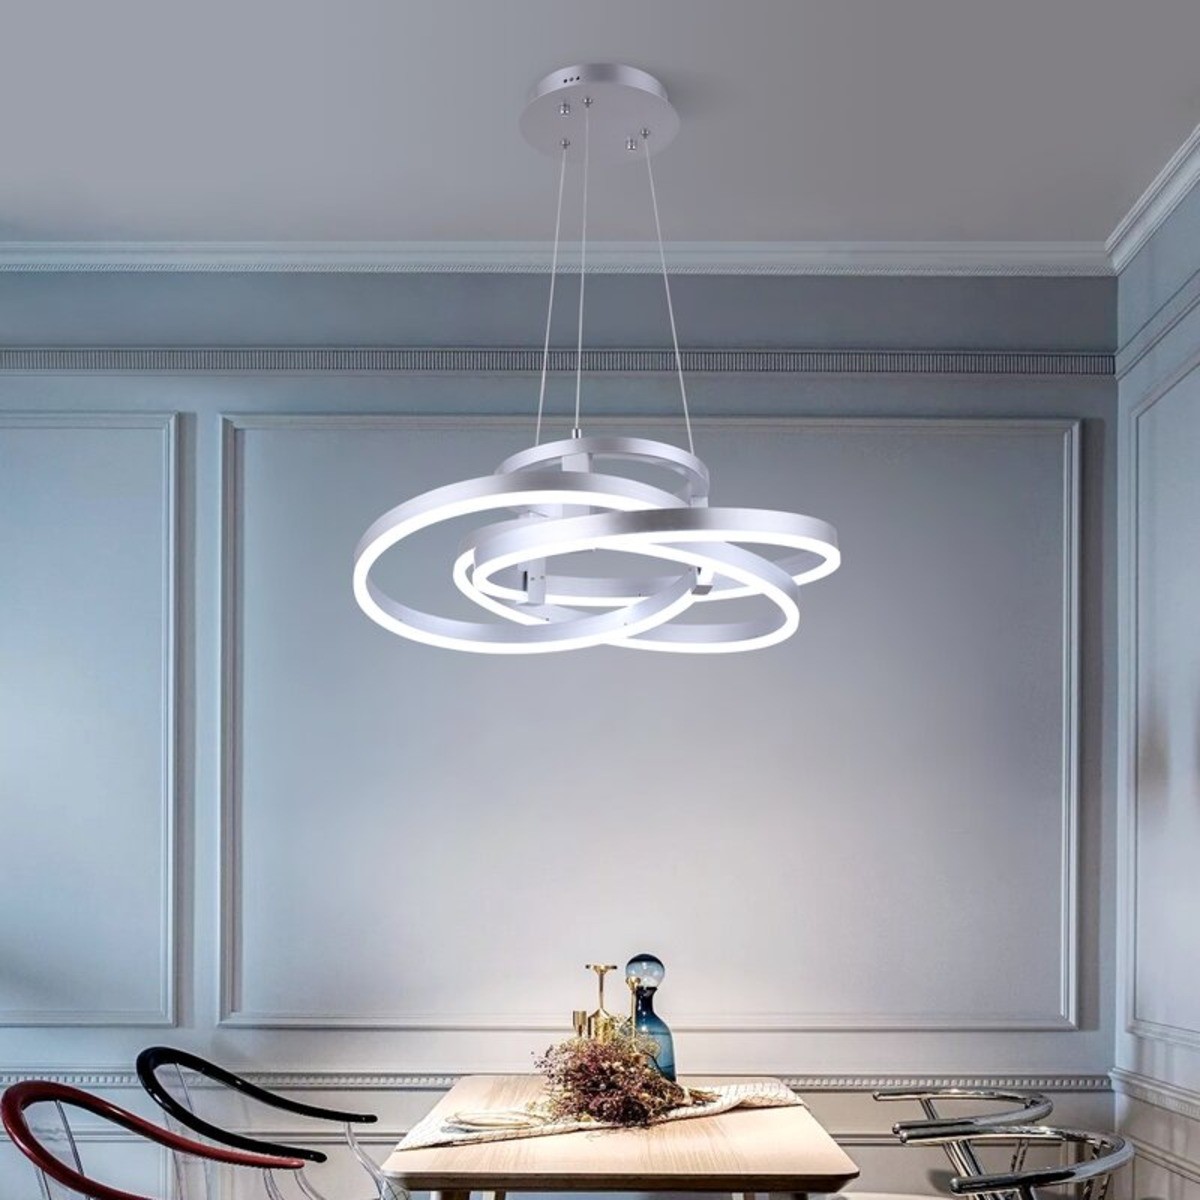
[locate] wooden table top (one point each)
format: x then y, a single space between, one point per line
745 1150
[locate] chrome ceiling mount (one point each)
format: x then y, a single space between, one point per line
626 107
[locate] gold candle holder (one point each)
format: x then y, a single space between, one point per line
601 1023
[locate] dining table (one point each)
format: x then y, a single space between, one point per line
743 1151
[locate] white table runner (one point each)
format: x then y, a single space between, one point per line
439 1130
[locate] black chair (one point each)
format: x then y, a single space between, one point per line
161 1070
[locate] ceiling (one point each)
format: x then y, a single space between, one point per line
382 121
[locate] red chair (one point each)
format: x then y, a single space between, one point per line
62 1168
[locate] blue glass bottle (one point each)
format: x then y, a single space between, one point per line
645 972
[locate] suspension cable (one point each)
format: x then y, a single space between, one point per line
662 258
587 129
562 174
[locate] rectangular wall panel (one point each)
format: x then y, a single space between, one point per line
414 838
1165 528
87 718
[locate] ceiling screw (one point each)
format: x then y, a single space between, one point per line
565 143
587 102
645 133
564 109
631 143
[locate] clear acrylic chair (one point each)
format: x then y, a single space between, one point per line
35 1117
1094 1159
163 1072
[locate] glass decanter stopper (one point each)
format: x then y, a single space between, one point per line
643 974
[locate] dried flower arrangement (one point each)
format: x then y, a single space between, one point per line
613 1082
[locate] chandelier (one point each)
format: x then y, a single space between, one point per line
599 497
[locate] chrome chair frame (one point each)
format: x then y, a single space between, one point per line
1108 1153
1027 1108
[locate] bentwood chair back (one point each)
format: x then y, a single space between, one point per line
1094 1159
35 1115
164 1072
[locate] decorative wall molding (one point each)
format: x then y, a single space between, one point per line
182 360
233 1014
620 258
285 1079
165 1014
1176 310
1176 1035
1168 1096
1164 195
1069 864
1157 1031
1174 1163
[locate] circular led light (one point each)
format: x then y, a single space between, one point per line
693 537
529 490
554 491
566 498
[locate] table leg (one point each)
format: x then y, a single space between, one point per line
769 1196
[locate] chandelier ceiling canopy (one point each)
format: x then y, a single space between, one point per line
639 505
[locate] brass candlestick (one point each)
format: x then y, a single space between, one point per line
601 1023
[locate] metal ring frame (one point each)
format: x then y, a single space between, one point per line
502 568
564 506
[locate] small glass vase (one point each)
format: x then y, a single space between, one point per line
648 972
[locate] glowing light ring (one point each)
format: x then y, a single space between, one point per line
762 527
606 592
695 537
627 449
523 490
546 486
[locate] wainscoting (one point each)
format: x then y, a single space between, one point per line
1158 1046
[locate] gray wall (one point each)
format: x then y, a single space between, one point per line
357 867
1158 1046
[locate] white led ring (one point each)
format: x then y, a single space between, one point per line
812 536
526 489
695 537
809 536
494 563
628 449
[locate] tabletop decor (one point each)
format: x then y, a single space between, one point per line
613 1082
612 1073
617 1072
643 974
532 1118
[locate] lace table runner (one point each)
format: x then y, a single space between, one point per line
438 1129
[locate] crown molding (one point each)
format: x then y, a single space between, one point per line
612 258
125 360
1165 193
